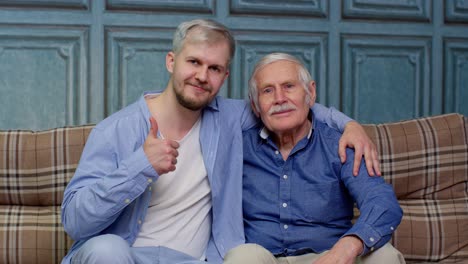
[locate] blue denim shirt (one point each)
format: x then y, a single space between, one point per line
109 193
305 204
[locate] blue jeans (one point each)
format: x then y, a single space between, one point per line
114 249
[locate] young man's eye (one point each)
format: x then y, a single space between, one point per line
194 62
215 69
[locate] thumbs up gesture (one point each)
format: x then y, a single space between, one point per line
161 153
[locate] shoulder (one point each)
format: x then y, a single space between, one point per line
326 133
253 131
251 135
228 110
128 118
230 104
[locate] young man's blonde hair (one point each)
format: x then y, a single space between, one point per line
205 30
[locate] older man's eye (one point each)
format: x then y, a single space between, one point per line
267 90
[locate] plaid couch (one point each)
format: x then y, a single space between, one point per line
426 160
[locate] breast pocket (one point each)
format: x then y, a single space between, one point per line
322 203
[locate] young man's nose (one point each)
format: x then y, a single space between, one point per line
202 74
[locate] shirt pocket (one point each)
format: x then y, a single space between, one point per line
321 203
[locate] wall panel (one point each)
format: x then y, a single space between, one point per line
196 6
411 10
387 76
47 4
375 60
43 76
136 63
456 11
308 8
456 76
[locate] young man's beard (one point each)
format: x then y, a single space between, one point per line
189 103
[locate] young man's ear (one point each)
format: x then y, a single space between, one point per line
226 75
170 58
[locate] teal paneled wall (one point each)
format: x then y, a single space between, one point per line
74 62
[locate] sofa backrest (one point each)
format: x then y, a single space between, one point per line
35 167
426 161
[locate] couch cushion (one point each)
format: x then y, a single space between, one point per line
32 234
426 160
35 167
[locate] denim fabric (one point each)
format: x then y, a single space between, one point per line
113 249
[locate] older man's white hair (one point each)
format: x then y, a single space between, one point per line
304 75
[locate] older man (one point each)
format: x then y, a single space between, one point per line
297 196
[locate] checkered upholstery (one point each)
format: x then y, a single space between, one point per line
34 170
426 161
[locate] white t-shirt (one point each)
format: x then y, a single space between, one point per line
179 214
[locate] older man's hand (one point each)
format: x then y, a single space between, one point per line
355 137
344 251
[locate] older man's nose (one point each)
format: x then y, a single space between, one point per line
279 96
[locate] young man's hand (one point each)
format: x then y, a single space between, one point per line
161 153
355 137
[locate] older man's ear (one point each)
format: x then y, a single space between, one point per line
312 92
254 108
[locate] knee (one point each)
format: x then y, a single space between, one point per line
248 253
104 249
387 254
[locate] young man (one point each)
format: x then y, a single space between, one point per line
297 195
160 180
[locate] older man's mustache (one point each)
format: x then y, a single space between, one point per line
281 108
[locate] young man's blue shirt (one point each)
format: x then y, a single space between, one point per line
305 204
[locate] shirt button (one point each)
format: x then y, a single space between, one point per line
371 239
285 177
139 222
276 152
127 201
372 249
285 205
149 188
150 180
392 228
285 226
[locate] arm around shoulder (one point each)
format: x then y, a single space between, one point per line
353 136
332 117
